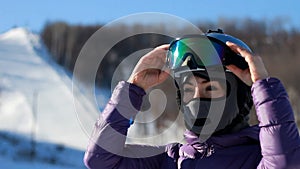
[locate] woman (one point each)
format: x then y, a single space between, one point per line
217 75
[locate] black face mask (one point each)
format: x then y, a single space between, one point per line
207 116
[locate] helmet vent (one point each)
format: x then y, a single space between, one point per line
215 31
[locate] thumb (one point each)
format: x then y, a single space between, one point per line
164 75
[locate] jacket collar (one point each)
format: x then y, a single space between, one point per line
249 135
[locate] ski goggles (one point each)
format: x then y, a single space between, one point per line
200 51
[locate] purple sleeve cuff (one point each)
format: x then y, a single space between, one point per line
279 137
108 138
126 100
271 102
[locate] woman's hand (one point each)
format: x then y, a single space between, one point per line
256 70
149 70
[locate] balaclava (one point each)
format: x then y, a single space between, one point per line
207 116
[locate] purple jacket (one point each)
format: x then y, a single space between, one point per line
274 143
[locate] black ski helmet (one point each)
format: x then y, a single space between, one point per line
244 97
245 101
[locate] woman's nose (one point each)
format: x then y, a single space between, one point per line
199 92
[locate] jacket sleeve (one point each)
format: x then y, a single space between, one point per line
107 147
279 137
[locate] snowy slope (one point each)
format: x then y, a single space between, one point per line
18 151
36 99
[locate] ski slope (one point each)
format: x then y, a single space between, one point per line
36 99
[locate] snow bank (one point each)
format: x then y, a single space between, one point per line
37 103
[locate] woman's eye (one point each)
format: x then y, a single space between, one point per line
211 88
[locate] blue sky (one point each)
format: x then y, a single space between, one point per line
33 14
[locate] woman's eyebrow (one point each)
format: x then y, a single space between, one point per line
204 81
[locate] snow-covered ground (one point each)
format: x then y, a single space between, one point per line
20 152
36 103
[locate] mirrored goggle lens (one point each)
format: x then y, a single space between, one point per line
200 50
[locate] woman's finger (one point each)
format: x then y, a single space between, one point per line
244 75
256 66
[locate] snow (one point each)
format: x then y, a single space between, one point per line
27 81
37 102
17 151
9 164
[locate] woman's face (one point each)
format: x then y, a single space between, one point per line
197 87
